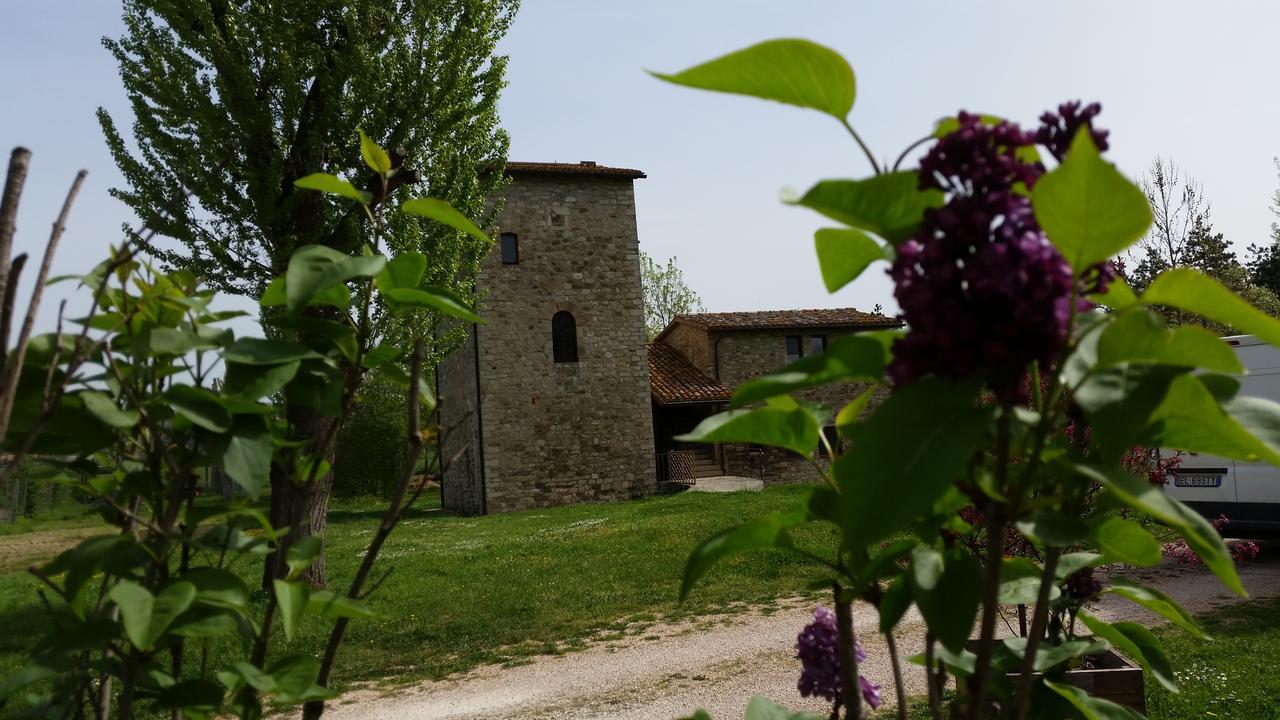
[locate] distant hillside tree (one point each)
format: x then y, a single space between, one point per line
1264 260
235 101
665 294
1182 235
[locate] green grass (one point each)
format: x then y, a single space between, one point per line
468 591
1232 678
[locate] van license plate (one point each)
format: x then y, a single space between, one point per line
1197 480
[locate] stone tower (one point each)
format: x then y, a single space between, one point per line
548 402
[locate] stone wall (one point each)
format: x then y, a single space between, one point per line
557 433
694 344
751 353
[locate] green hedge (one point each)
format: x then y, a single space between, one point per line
371 446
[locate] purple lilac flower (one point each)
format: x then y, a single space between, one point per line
978 158
816 648
979 285
1082 585
1057 130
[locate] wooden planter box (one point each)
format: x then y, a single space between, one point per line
1113 677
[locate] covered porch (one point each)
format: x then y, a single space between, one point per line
683 396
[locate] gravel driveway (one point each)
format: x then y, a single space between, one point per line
717 665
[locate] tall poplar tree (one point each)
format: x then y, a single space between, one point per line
236 99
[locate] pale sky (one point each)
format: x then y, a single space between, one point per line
1191 80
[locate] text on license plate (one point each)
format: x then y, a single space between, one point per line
1197 480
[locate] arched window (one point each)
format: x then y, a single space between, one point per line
564 338
509 246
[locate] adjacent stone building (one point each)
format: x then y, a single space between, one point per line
556 398
715 352
548 402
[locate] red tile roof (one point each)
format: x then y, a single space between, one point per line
785 319
586 167
673 379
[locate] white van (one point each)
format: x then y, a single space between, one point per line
1248 493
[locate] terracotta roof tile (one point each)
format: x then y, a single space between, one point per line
781 319
585 167
673 379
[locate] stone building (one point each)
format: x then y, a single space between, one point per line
697 360
548 402
556 398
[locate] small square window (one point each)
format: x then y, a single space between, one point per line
795 348
817 344
509 245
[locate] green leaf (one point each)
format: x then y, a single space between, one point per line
795 429
1048 656
256 351
1020 582
302 552
795 72
247 454
843 253
316 268
1127 542
1191 418
890 205
374 156
947 593
200 406
294 677
432 298
1199 534
216 587
146 616
1190 290
402 271
277 294
854 357
1071 563
762 708
905 456
769 532
894 603
25 677
1136 643
332 605
443 212
1089 210
1051 528
291 598
851 413
256 381
197 698
324 182
105 409
1140 337
1155 601
1091 707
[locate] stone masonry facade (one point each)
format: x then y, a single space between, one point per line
735 355
529 431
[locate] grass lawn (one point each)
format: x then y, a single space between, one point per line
467 591
1231 678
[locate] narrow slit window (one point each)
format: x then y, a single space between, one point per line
510 247
564 338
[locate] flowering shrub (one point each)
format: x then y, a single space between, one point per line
1242 551
817 650
1026 376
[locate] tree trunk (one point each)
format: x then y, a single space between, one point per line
303 507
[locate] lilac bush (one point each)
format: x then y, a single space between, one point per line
817 650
